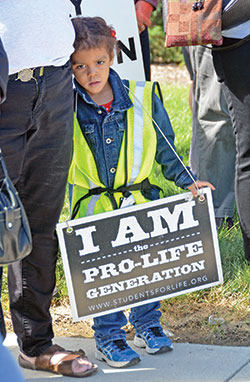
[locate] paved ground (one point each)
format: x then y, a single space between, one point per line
187 363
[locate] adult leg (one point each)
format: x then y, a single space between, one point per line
36 135
213 151
232 67
14 122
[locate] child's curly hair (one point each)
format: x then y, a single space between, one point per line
93 32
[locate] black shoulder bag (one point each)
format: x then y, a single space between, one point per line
15 235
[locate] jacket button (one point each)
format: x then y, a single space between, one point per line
109 140
99 111
112 170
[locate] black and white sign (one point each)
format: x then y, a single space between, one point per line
138 254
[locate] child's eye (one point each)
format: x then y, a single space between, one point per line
101 62
81 66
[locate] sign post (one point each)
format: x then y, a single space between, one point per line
140 254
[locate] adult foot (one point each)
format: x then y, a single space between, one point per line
60 361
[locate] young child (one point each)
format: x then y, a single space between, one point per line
116 145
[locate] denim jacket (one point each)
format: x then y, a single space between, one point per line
104 132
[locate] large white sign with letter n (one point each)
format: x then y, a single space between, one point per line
121 15
138 254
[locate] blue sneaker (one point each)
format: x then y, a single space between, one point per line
117 353
154 340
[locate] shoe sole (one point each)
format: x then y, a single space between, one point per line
101 357
140 343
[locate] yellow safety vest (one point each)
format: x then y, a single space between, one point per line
140 139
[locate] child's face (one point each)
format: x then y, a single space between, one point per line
91 69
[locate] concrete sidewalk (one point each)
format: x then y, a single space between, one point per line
187 363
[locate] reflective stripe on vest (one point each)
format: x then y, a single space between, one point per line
141 150
91 205
138 132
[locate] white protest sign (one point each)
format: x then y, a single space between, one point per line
121 15
140 254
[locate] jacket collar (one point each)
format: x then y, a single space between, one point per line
121 99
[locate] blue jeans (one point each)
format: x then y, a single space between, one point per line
108 327
232 67
36 126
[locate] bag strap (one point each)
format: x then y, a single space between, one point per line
229 47
6 182
3 165
77 4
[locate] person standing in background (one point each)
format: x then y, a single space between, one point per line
232 67
144 11
212 152
8 367
36 128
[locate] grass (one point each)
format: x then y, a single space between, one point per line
235 291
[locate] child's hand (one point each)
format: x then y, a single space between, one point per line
200 184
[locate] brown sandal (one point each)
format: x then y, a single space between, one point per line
64 366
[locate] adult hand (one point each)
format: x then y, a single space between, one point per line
199 184
143 13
